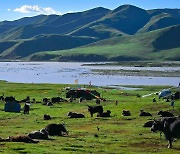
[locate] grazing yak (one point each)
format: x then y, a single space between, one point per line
126 113
142 113
75 115
105 114
41 134
47 117
169 126
165 114
56 129
19 138
95 109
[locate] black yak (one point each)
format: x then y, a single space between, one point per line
148 124
165 114
75 115
56 129
169 126
95 109
47 117
143 113
105 114
26 108
126 113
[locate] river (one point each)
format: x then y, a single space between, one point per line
68 72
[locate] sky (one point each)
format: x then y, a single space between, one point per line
16 9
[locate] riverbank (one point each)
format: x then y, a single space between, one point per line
149 73
138 64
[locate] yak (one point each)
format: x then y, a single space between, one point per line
105 114
41 134
126 113
26 108
57 100
142 113
56 129
148 123
19 138
75 115
165 114
169 126
47 117
95 109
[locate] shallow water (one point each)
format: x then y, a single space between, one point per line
61 72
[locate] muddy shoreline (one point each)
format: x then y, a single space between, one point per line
137 73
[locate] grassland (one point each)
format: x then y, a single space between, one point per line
117 134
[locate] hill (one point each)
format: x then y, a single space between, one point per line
155 45
23 48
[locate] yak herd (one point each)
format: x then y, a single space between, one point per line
168 124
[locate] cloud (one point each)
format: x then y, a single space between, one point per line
36 9
8 9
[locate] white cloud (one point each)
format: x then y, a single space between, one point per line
36 9
8 9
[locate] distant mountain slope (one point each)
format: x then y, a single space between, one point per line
173 12
52 24
160 21
72 17
99 22
155 45
23 48
40 19
126 19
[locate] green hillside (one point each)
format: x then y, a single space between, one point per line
155 45
23 48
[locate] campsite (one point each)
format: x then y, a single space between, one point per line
115 134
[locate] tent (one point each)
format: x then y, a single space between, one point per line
86 94
12 107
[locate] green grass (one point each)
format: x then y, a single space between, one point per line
117 134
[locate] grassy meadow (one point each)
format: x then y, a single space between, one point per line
117 134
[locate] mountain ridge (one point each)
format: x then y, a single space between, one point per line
30 35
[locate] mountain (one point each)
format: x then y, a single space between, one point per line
155 45
99 33
126 19
50 24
